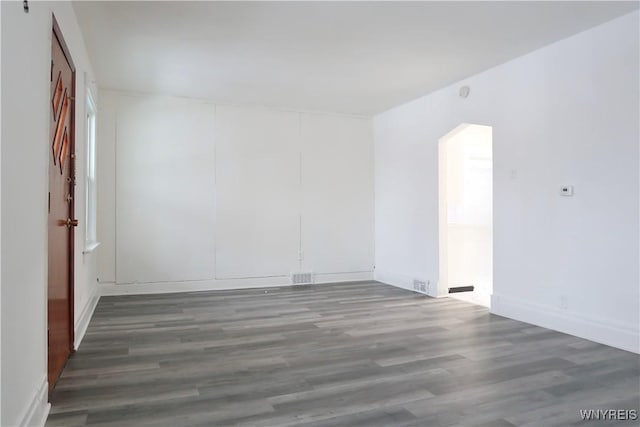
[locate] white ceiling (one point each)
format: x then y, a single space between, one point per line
347 57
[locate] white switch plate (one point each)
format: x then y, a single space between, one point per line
566 190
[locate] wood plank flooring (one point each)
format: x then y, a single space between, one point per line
348 354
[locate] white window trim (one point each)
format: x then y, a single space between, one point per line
91 205
90 247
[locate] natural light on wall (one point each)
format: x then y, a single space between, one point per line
91 240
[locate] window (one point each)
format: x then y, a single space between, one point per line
91 238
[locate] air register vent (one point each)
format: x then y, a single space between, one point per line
457 289
301 278
420 285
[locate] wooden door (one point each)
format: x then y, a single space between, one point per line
61 208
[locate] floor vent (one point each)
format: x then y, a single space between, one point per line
301 278
460 289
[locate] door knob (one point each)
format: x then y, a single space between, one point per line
72 222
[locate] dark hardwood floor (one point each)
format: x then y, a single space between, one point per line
346 354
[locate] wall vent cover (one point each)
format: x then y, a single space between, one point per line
420 285
302 278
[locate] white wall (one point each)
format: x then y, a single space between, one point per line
200 196
106 185
164 182
337 194
567 114
26 56
257 190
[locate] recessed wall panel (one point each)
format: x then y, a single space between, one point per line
164 190
337 194
257 187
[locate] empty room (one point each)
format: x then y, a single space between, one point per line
368 213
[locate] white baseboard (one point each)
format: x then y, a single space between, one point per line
357 276
625 337
80 327
111 289
405 282
38 410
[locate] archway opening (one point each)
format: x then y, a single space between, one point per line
466 213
